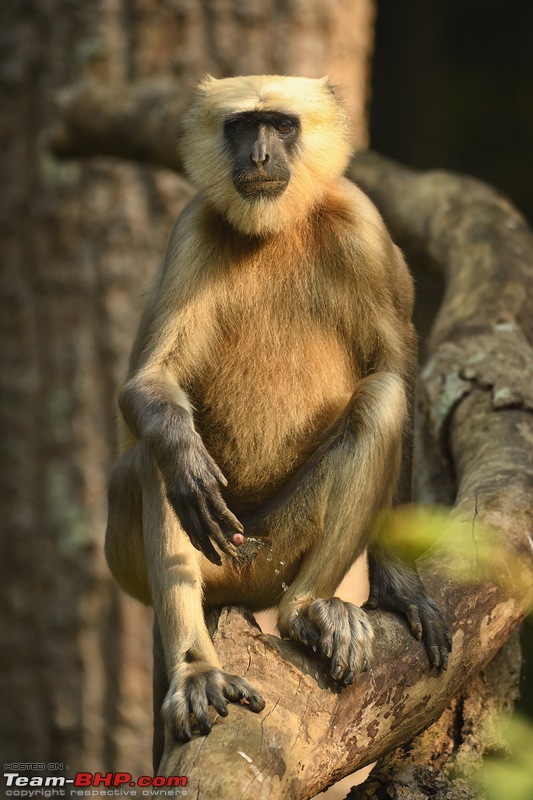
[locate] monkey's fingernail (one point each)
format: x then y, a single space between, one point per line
337 672
238 539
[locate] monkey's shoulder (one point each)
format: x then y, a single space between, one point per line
350 229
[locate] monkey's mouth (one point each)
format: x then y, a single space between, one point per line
252 188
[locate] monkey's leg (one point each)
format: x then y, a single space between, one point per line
350 477
160 689
174 574
124 546
395 586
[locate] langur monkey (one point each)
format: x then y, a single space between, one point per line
268 399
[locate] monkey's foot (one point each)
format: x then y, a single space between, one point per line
194 688
394 586
340 631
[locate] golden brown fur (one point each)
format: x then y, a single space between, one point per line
285 326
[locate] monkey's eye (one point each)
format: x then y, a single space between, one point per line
234 127
284 126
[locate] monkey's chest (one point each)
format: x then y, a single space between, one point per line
264 401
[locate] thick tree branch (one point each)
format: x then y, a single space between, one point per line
136 122
477 427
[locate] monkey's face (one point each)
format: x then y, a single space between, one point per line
262 146
263 149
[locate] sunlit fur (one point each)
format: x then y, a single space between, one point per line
284 326
207 160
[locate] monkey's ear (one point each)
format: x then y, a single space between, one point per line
206 82
331 89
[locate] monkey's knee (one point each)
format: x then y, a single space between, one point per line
340 631
124 547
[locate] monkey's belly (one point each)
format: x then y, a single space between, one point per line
264 408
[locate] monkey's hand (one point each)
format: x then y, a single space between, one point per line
193 482
339 630
196 686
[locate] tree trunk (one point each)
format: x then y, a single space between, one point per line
81 241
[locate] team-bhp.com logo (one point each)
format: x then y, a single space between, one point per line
118 784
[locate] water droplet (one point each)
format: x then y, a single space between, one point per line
284 586
282 563
276 572
269 557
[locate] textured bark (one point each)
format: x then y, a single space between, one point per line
293 38
438 763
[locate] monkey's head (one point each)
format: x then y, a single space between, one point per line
264 149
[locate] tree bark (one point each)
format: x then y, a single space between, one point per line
477 430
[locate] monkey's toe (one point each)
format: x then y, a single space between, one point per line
191 694
340 631
303 631
426 621
435 633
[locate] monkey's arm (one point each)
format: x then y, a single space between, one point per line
158 412
156 409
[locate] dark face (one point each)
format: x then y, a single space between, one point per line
262 144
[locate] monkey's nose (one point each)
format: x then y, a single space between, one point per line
259 156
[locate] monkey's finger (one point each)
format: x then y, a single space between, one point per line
213 529
198 535
352 667
373 600
256 702
217 700
176 713
332 617
361 642
224 514
215 470
413 618
340 660
181 730
237 689
431 643
199 708
437 651
436 634
303 631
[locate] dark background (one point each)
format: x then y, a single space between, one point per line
452 88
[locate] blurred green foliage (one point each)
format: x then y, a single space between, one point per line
470 550
508 775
